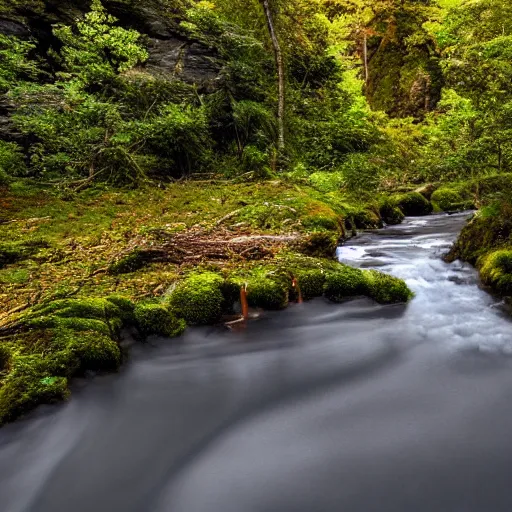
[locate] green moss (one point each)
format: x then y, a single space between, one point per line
413 204
77 324
496 271
386 289
366 219
130 263
101 309
24 390
322 222
198 299
12 252
266 293
5 357
319 245
490 228
391 214
125 306
154 318
450 200
346 282
311 283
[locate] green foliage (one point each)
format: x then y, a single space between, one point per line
17 251
153 318
15 63
12 161
198 299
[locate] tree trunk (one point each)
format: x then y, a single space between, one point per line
280 73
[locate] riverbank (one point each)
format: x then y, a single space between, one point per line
78 269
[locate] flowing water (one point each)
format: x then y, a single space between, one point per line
322 407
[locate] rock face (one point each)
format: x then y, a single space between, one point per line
171 53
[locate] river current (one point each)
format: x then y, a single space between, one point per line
354 407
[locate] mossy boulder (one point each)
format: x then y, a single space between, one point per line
496 271
413 204
311 283
153 318
366 219
489 229
266 293
125 306
25 387
386 289
391 214
198 299
94 352
344 283
319 245
450 200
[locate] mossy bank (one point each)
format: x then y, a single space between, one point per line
77 270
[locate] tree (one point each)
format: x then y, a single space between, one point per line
280 73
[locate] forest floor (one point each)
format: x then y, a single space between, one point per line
53 246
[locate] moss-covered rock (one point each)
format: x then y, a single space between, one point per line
386 289
391 214
496 271
198 299
366 219
489 229
413 204
450 200
125 306
311 283
266 293
95 352
25 388
344 283
319 245
152 318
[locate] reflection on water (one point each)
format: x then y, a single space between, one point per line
323 407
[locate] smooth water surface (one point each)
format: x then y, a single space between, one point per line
322 407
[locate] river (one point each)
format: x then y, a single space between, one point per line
354 407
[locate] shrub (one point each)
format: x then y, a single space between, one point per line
198 299
386 289
413 204
154 318
346 282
